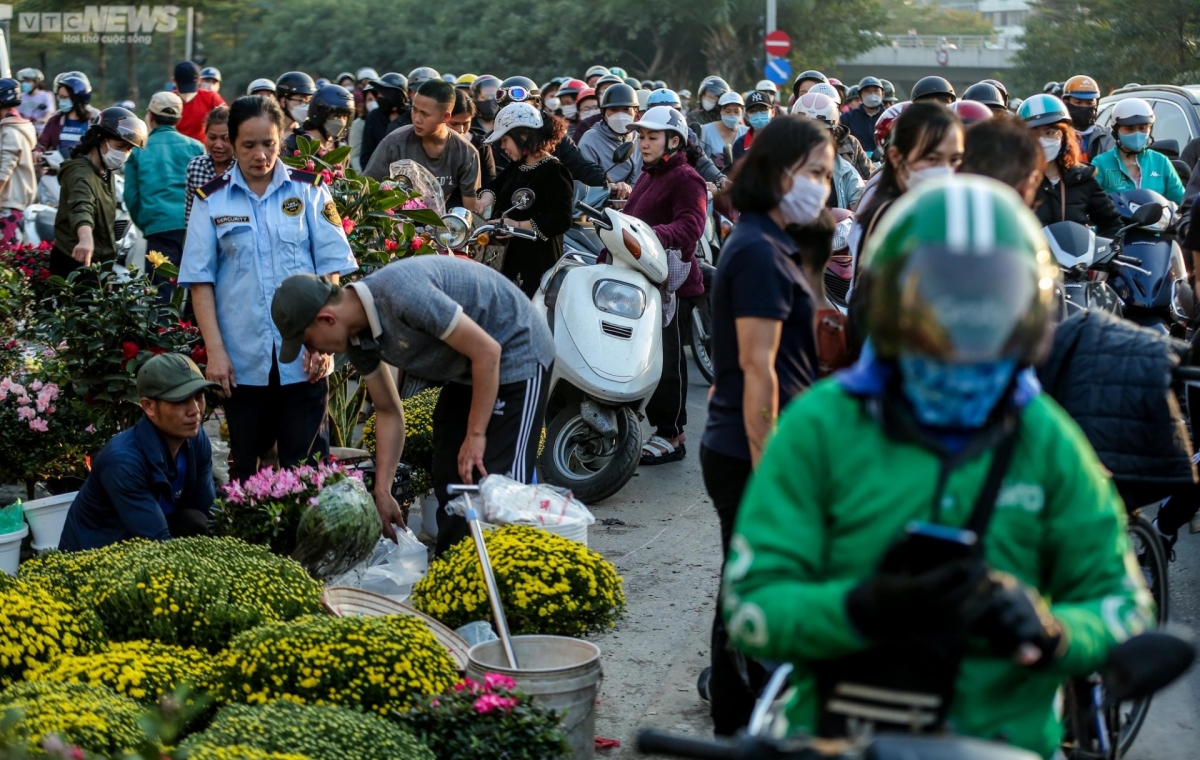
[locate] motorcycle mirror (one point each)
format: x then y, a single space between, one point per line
1147 663
523 199
623 152
1147 214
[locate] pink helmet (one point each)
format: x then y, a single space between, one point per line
818 106
883 127
969 111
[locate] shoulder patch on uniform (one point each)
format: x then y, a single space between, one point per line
330 212
305 178
208 189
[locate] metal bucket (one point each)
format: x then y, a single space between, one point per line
560 673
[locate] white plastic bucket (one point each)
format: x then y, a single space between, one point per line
46 518
10 550
558 672
576 531
429 506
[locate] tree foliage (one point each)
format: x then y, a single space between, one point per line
1114 41
933 19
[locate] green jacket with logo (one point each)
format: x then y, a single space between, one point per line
832 493
1158 174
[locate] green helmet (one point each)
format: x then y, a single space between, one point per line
618 71
959 270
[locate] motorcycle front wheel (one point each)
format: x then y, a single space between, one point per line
591 466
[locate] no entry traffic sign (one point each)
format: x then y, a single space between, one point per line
778 43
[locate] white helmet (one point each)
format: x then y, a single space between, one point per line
31 74
731 98
515 115
814 105
366 72
643 97
766 85
663 119
258 85
1132 111
825 88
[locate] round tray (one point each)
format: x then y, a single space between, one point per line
346 600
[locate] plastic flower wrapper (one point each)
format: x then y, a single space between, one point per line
392 568
12 518
339 531
508 502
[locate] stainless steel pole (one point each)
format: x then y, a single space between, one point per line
489 580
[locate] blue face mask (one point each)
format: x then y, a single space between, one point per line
950 395
26 87
759 119
1136 142
730 122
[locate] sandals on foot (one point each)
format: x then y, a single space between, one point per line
658 450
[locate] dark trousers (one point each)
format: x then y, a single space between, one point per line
290 416
169 244
183 523
513 433
667 408
735 680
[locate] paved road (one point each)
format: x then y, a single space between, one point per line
667 549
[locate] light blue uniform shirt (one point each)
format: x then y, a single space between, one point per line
246 245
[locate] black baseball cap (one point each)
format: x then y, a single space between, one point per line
187 76
757 98
294 308
171 377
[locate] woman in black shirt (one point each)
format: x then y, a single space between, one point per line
529 140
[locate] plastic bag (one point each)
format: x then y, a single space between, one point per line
392 569
477 632
507 502
12 517
339 531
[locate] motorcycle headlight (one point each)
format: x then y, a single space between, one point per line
456 228
619 298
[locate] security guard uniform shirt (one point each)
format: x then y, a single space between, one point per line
245 245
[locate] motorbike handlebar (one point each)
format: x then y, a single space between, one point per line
595 216
651 741
502 229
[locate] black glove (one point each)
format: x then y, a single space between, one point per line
1017 615
893 605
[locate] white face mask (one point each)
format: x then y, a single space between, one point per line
300 113
114 159
708 103
587 114
371 106
569 111
803 203
619 122
551 104
917 176
872 101
1051 147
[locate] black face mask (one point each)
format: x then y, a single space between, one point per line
487 109
1082 117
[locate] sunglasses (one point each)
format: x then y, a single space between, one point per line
517 94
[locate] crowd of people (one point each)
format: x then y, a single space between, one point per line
932 397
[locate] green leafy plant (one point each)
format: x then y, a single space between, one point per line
418 438
486 721
93 718
319 732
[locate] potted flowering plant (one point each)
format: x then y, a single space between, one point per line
486 721
40 433
33 263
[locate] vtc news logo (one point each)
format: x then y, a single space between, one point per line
110 24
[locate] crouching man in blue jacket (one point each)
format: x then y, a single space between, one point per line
155 479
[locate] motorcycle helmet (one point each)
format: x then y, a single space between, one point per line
596 71
122 124
957 281
999 86
659 84
465 81
811 75
618 71
80 88
731 98
889 92
295 84
713 86
10 93
210 72
851 93
487 80
837 85
766 85
514 116
391 87
448 78
665 97
260 86
321 82
969 111
987 94
1042 109
1049 87
77 74
420 75
343 77
887 120
366 73
518 90
329 102
1081 87
1132 112
128 105
934 88
635 84
31 75
827 89
619 96
866 82
819 107
663 119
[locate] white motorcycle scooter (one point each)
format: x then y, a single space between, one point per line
607 325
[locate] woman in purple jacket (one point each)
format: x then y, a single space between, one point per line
673 199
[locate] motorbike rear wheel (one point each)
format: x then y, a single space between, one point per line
581 459
701 338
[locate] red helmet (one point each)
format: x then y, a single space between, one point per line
572 87
970 111
883 127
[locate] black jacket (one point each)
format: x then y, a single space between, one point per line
1086 202
376 127
569 154
862 125
1115 379
487 159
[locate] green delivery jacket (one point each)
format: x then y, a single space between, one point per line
832 493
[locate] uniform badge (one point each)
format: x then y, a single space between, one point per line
293 206
331 214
